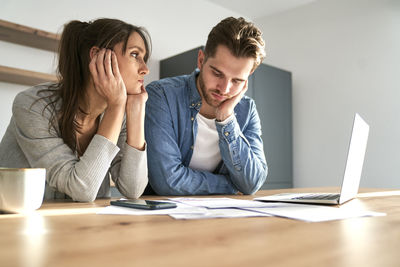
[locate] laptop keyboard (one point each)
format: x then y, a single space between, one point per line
327 196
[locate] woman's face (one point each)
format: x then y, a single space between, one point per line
131 63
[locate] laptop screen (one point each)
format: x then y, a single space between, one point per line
355 159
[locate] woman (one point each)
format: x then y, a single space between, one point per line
77 128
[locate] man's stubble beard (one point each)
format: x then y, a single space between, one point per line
211 102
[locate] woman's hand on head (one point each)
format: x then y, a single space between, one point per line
107 78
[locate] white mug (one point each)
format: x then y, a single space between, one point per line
21 189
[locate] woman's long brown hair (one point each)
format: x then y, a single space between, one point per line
73 68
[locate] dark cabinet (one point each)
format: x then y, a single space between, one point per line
271 88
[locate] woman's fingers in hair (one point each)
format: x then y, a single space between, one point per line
107 64
115 67
93 67
106 77
100 63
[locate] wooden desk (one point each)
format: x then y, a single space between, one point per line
71 234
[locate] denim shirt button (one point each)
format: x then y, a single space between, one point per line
192 118
238 168
191 147
226 133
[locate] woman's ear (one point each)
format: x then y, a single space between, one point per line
93 51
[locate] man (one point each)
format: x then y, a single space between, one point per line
203 134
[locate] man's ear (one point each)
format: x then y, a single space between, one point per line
200 59
93 51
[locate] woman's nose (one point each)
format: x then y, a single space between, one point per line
144 70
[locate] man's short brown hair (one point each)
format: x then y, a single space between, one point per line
242 38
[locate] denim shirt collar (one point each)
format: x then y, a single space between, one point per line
194 96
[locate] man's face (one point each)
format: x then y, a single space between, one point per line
222 76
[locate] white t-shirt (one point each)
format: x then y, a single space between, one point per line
206 155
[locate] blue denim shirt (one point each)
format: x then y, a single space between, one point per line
171 129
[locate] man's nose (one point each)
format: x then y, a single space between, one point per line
224 86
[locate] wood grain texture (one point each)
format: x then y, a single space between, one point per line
71 234
24 77
27 36
24 35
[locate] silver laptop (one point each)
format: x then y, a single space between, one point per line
352 173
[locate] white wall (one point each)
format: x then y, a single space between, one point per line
345 58
174 25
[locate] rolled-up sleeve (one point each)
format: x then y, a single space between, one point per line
242 152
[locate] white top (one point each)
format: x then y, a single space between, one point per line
206 155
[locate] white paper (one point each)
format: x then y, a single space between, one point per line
313 213
219 202
205 208
220 213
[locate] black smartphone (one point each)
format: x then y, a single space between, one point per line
143 204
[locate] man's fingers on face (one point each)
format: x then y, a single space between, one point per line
235 95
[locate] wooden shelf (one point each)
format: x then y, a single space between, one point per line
25 77
23 35
27 36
